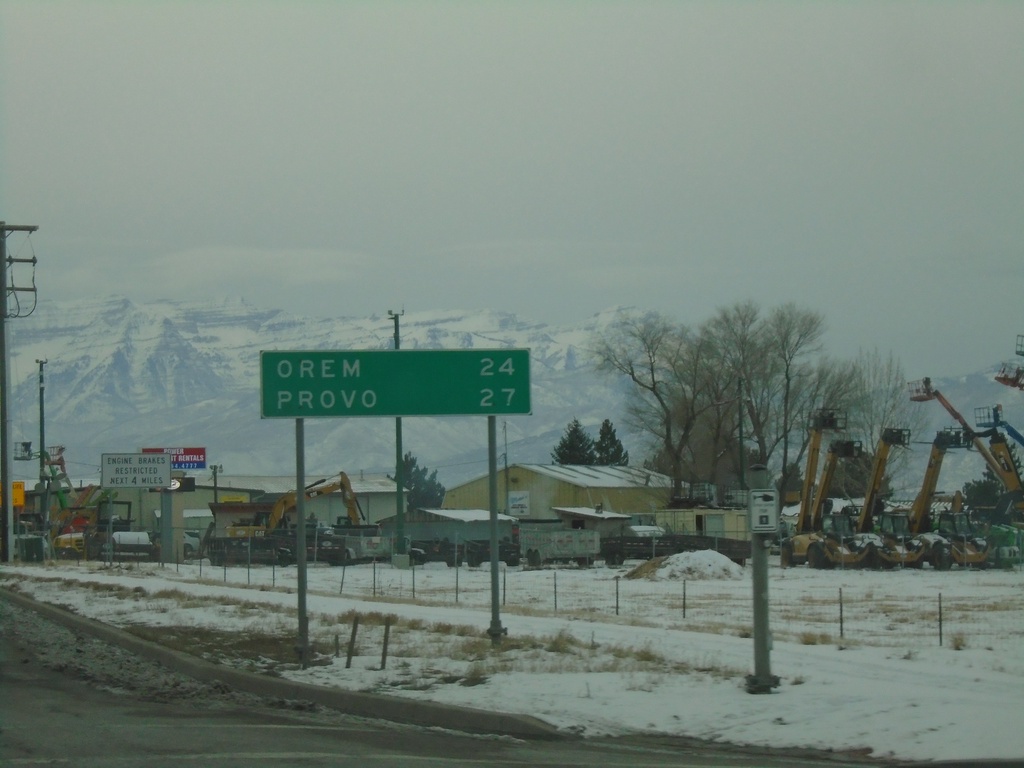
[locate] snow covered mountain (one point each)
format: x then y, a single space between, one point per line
122 376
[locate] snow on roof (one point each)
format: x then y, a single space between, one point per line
590 512
601 477
466 515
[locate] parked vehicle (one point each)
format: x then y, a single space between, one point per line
130 546
191 542
793 549
261 533
457 536
848 537
541 543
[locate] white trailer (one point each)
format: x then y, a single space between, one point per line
544 544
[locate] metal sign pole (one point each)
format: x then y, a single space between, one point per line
763 510
495 631
300 540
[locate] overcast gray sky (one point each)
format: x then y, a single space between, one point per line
547 158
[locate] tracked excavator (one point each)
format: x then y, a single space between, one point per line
848 541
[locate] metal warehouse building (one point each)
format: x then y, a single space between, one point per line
533 491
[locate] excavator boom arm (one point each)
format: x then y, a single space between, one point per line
923 390
890 437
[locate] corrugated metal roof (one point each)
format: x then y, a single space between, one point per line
601 477
590 512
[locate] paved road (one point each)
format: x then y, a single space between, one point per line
58 711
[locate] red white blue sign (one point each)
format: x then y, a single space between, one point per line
183 458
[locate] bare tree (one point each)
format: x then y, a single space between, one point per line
879 401
737 336
645 348
667 365
692 391
795 335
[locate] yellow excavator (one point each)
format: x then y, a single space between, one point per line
968 548
264 523
793 550
263 533
851 542
908 533
822 420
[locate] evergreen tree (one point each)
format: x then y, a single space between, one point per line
608 447
424 491
984 495
575 447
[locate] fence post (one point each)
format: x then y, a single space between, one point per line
387 633
555 575
841 612
940 618
375 577
456 575
684 598
617 595
352 642
341 588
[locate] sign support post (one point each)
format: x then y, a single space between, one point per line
495 630
300 539
346 383
763 508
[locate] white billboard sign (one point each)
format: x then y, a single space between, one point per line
519 503
135 470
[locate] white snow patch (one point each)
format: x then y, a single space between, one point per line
706 564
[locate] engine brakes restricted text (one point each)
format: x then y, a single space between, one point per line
126 470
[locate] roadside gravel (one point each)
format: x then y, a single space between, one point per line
113 668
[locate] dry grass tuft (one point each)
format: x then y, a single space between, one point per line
645 569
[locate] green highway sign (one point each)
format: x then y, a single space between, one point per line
395 382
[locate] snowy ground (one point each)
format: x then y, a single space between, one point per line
917 665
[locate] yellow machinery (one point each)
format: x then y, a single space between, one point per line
851 542
909 540
1010 507
968 548
261 525
793 550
